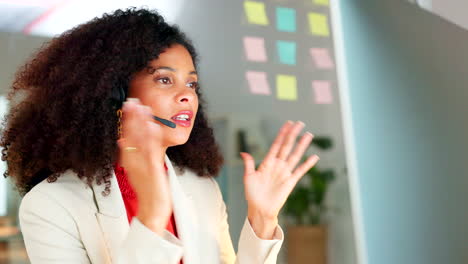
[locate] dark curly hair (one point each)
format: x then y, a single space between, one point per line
65 121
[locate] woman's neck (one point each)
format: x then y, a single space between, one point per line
162 158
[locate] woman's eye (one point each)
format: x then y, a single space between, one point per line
164 80
193 85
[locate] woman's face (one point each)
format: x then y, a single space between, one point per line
168 87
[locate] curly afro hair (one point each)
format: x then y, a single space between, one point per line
65 120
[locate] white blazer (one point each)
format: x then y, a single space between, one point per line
69 222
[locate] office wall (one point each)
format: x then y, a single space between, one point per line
452 10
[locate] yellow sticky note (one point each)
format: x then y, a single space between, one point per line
255 12
286 87
319 24
322 2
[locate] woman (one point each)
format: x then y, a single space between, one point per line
110 184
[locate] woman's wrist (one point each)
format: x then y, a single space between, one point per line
154 223
153 215
263 226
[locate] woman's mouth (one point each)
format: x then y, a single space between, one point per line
183 118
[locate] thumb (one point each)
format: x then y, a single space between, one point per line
249 163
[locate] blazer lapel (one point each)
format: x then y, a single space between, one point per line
111 216
185 217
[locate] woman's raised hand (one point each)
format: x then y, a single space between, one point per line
142 155
268 186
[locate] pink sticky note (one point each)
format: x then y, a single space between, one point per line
322 92
258 82
321 58
255 49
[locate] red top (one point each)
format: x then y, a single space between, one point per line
131 201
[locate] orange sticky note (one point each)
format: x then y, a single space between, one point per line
258 82
255 49
322 92
255 12
286 87
318 24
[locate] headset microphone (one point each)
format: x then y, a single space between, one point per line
165 121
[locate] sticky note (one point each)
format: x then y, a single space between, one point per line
286 87
322 92
254 48
322 2
258 83
286 19
322 58
318 24
286 52
255 12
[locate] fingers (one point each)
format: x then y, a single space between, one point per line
129 117
276 146
299 151
135 115
249 163
290 140
304 167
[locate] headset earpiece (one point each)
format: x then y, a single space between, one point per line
118 97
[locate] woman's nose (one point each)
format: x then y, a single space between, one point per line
186 96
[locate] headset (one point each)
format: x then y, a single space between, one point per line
119 96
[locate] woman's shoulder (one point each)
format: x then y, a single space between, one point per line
67 191
51 207
67 183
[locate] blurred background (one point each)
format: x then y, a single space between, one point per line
379 83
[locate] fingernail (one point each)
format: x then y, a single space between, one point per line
125 105
301 123
134 100
312 135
